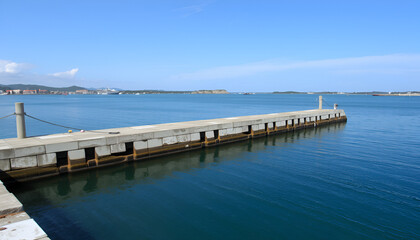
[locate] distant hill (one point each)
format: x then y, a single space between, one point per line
154 92
36 87
218 91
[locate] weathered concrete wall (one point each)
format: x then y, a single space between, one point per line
24 159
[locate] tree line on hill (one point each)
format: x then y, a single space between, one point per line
39 87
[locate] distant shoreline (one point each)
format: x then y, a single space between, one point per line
233 93
28 89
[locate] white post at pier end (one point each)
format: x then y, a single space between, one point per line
320 102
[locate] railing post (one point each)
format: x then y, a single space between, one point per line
320 102
20 120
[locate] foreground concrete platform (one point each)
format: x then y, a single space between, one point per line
14 222
25 159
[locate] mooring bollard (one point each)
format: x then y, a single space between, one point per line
20 120
320 102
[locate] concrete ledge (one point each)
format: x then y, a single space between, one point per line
6 152
118 148
92 142
9 204
60 147
23 162
152 143
47 159
103 151
14 223
26 229
169 140
76 159
76 154
209 134
14 217
59 153
140 145
29 151
183 138
195 137
4 164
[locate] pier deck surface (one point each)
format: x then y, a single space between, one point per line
185 127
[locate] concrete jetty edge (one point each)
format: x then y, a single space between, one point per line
42 156
14 222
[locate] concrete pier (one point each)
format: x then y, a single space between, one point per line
28 158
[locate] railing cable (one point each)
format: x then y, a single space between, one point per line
328 104
67 127
8 115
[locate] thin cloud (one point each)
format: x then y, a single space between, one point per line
10 67
13 72
68 74
395 63
190 10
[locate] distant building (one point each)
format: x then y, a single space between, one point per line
40 91
15 91
83 91
29 92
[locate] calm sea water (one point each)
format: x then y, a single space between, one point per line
359 180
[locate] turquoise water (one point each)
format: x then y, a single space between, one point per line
357 180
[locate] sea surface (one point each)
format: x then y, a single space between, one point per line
354 180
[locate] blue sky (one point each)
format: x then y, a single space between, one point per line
233 45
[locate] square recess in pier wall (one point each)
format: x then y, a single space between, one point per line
62 159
